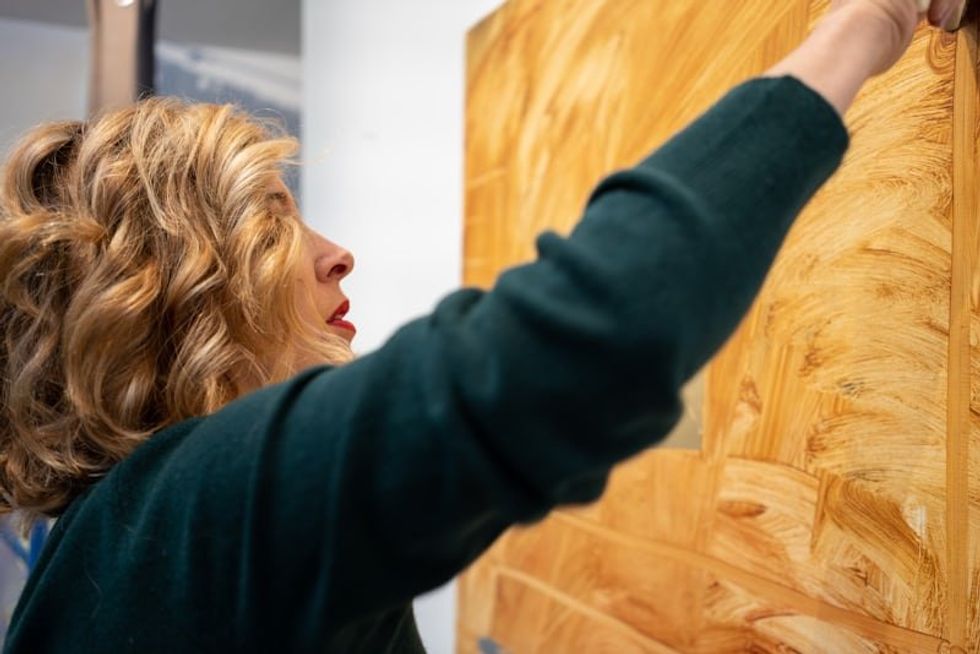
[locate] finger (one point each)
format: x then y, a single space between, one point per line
955 18
939 9
947 14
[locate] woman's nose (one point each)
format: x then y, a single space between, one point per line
339 265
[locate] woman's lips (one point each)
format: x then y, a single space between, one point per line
343 324
338 318
341 310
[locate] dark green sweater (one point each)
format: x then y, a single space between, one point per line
305 517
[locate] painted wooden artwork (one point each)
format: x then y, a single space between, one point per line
833 503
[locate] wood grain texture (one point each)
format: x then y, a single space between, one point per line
834 503
960 349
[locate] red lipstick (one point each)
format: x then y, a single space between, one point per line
337 319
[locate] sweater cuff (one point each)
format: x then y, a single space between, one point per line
757 157
822 117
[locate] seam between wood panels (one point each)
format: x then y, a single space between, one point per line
883 632
578 606
965 99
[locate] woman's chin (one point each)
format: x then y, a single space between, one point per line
343 332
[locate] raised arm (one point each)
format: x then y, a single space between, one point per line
391 474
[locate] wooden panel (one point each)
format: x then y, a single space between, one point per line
834 504
561 92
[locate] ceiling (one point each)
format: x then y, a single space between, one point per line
271 25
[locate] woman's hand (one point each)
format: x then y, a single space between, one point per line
895 21
859 39
906 14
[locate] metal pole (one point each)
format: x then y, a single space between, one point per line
123 34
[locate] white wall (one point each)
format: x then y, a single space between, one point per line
45 71
44 74
383 88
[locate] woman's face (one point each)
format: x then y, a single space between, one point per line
324 263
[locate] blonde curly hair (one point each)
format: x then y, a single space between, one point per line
143 276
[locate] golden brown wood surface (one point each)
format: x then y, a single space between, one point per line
835 503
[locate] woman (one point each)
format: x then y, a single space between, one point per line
154 271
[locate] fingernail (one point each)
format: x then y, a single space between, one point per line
951 22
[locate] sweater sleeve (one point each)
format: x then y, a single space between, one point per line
365 485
